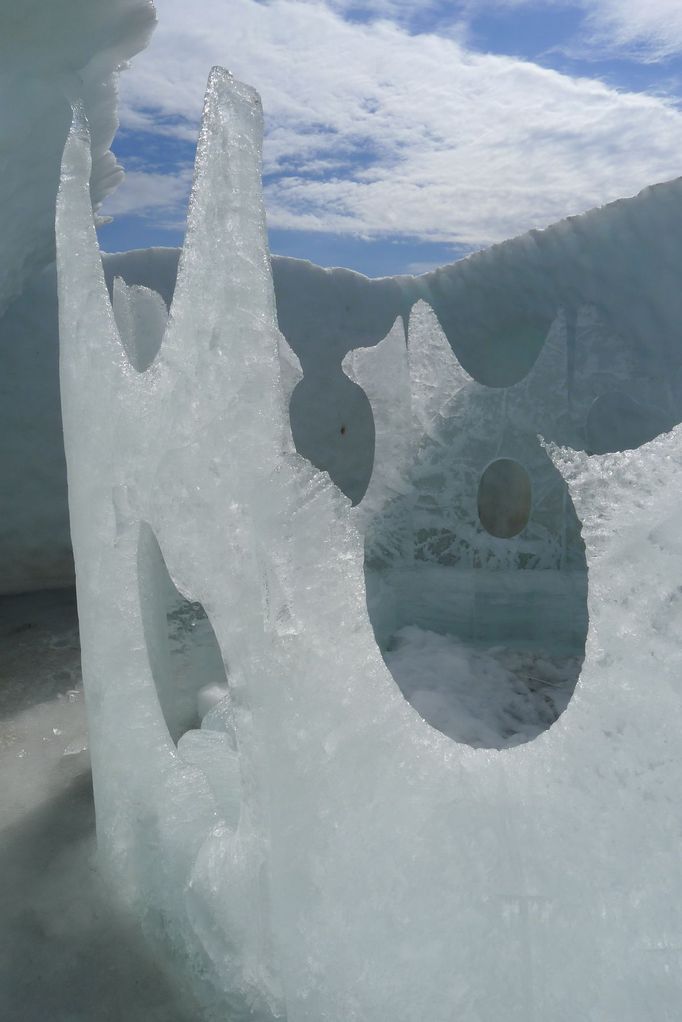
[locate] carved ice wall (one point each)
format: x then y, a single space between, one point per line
590 267
315 850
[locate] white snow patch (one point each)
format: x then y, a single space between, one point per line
488 698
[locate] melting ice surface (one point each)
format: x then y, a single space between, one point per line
316 850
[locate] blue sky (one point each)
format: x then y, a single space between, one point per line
403 134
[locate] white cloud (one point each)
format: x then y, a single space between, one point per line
149 193
428 139
641 29
646 28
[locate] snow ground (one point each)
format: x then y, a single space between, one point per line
488 698
67 954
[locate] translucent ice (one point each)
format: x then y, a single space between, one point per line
357 863
178 506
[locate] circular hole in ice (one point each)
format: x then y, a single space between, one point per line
504 498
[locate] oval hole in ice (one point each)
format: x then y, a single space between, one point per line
333 427
184 654
487 650
504 498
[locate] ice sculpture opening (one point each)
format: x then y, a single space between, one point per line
333 428
141 318
184 654
504 498
474 563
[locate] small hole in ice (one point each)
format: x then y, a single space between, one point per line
504 498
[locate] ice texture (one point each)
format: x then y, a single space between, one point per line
383 373
316 850
211 414
496 309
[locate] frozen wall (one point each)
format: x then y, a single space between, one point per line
50 55
584 275
314 850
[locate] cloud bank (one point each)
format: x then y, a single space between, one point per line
377 130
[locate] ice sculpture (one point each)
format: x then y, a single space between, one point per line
315 850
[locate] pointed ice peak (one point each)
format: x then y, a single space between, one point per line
86 320
226 194
223 309
380 365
